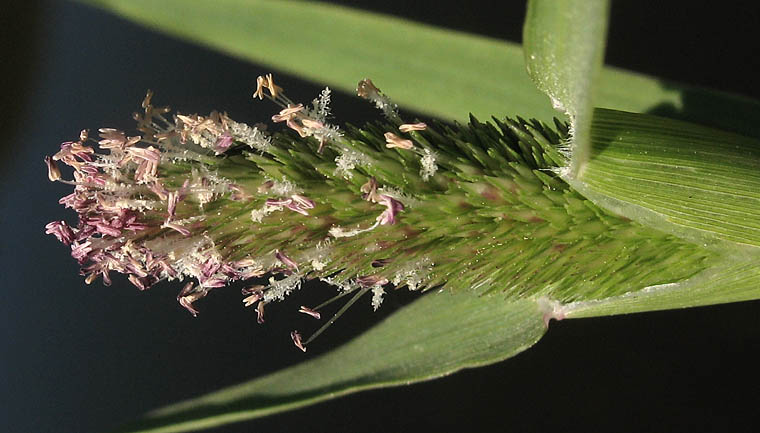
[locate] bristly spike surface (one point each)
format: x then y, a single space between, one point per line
467 207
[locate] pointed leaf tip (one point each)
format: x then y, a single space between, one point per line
436 335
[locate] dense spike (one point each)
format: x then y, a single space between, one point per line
468 207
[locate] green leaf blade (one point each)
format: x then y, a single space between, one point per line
432 70
697 183
694 182
434 336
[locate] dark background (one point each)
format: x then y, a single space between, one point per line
77 358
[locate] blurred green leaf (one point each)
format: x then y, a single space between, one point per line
436 335
564 50
436 71
428 69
